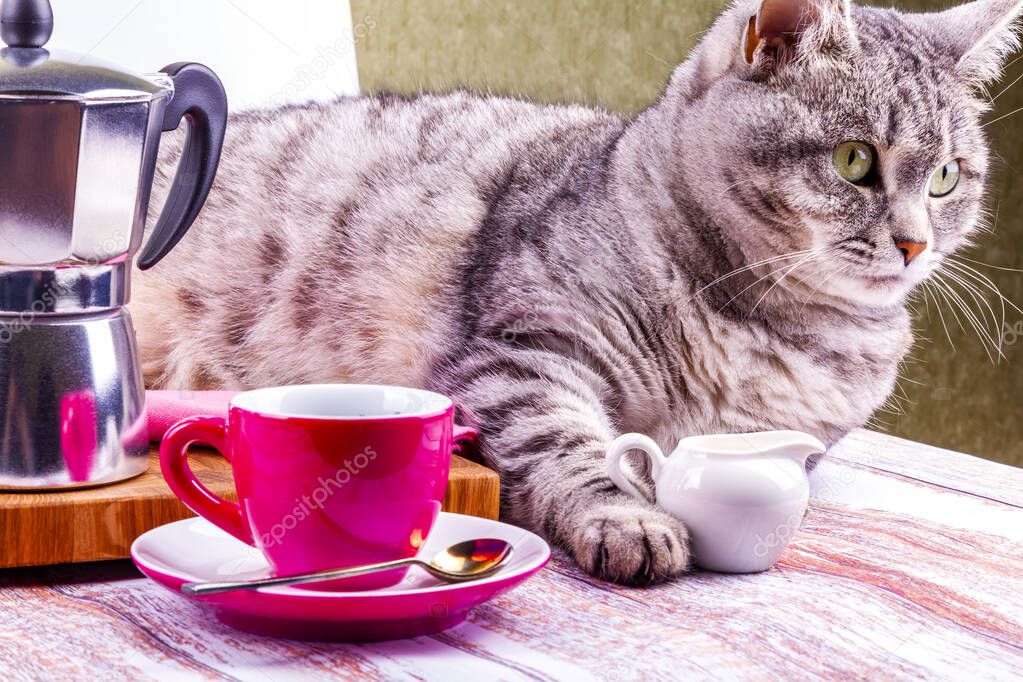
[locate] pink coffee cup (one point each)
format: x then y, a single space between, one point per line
328 476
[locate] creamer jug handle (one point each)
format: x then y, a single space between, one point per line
619 448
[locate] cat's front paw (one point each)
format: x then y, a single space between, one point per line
630 544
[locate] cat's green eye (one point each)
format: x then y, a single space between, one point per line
854 160
944 179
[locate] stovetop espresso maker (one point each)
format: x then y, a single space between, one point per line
78 150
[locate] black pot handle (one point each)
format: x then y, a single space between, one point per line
199 98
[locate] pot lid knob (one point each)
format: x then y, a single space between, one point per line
26 23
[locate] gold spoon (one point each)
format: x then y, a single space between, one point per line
464 561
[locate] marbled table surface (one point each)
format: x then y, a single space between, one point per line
909 565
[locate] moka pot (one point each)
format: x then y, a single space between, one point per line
78 149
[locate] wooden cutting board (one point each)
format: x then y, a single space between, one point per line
101 523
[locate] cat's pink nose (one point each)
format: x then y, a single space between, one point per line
910 250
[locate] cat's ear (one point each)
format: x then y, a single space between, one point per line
784 30
980 36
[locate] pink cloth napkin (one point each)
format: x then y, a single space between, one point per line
164 409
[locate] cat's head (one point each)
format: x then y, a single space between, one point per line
852 135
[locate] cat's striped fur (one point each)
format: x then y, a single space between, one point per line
558 270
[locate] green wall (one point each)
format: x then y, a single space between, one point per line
618 55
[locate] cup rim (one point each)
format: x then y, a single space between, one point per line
446 404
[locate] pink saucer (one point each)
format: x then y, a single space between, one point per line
196 550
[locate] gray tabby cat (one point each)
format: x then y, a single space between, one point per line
735 258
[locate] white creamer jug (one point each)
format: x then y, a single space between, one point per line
741 496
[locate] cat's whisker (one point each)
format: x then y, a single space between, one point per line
927 303
940 291
943 289
983 280
941 316
988 339
1006 88
898 389
758 281
887 408
896 401
987 265
970 273
981 330
751 266
1008 64
916 299
912 381
899 395
1003 116
876 423
791 269
980 300
841 270
978 296
896 406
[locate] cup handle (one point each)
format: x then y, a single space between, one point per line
211 431
466 439
618 449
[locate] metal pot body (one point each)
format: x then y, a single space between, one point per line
73 403
80 139
76 178
75 182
